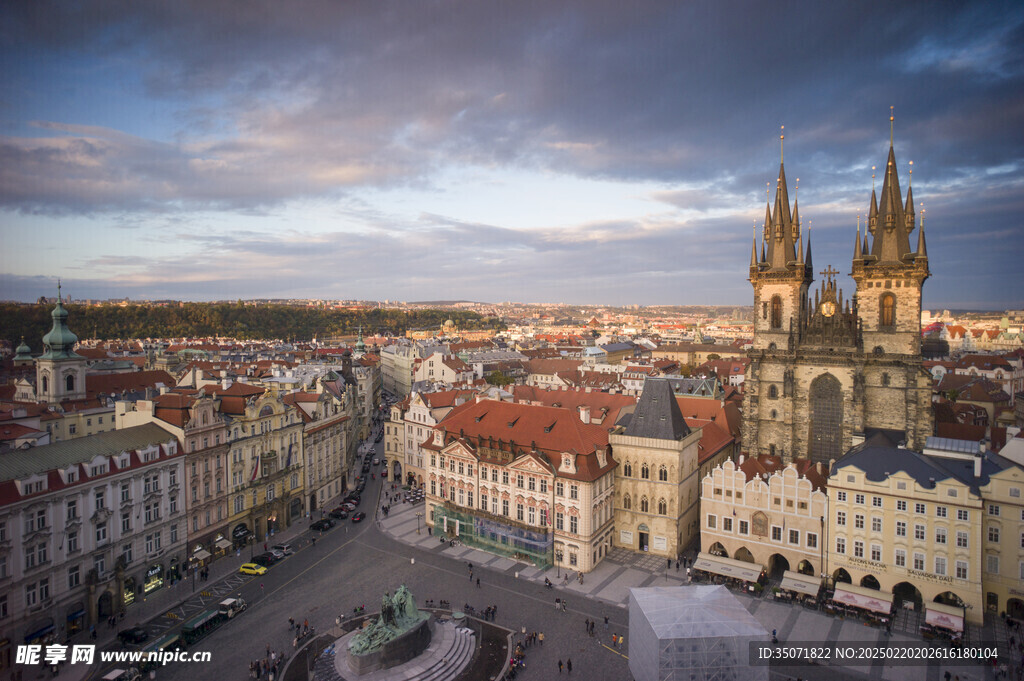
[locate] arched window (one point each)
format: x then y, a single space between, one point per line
644 505
774 414
776 312
69 383
627 469
46 384
645 472
662 507
887 310
663 474
826 422
773 392
627 503
885 379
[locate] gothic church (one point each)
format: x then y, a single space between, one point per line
826 370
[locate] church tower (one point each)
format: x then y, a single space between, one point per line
60 371
825 373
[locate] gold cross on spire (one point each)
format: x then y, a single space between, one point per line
828 272
891 119
782 138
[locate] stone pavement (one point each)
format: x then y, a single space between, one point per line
621 570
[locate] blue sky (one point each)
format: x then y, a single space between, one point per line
585 152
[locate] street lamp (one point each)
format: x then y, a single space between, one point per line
418 516
558 564
252 545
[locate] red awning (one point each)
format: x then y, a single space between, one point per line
945 616
866 599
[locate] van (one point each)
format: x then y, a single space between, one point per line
230 607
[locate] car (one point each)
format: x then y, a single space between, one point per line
322 525
339 513
349 506
252 569
286 549
358 517
265 559
353 497
361 486
376 461
133 635
277 554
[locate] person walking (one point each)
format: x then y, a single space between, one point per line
540 637
606 621
586 625
478 582
559 666
568 665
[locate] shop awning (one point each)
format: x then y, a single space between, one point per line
861 597
41 630
202 554
945 616
223 544
801 583
728 567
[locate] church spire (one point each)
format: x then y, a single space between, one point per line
922 249
856 243
808 264
753 247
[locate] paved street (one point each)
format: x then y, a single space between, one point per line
352 564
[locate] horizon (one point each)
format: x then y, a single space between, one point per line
606 154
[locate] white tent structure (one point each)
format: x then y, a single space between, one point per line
692 633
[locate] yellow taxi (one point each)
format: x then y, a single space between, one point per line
252 569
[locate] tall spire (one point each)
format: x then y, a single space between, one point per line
856 243
922 249
753 246
808 263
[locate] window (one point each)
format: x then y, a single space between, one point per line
744 527
940 511
918 561
963 514
72 541
840 496
504 477
961 569
645 472
727 524
543 485
940 535
901 558
901 505
919 509
173 504
101 532
126 522
773 392
504 507
841 518
993 509
901 528
519 512
627 469
531 515
72 509
776 533
858 521
940 565
993 534
776 312
519 480
859 499
544 517
992 565
74 579
840 545
919 532
961 539
712 522
794 537
574 491
574 524
240 500
644 506
531 484
887 310
858 549
876 502
662 507
876 524
126 553
100 499
126 492
559 521
152 512
876 553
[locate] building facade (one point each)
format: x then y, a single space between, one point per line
824 372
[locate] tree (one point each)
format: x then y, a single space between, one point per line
499 378
713 356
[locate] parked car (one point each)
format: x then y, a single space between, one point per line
230 607
353 497
349 506
361 486
322 525
358 517
265 559
376 461
252 569
339 513
277 554
286 549
133 635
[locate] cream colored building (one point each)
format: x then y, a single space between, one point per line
1002 535
760 511
657 484
531 482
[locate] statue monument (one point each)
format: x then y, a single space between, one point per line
400 633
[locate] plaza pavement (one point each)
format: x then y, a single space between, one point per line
611 580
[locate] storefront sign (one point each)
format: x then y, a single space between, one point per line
660 544
870 565
942 579
625 537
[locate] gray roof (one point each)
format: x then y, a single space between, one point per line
878 460
694 612
657 413
617 347
24 462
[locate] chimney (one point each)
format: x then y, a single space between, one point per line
741 459
584 413
225 383
977 465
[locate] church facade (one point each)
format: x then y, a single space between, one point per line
826 369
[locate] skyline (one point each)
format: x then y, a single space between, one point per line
591 153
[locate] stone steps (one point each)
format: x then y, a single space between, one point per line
455 651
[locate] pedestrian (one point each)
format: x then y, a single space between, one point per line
471 575
478 582
606 621
540 637
677 566
614 637
564 604
524 631
586 625
669 564
558 602
568 665
559 666
295 642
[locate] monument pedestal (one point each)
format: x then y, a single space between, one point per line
398 650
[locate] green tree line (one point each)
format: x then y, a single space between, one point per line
236 320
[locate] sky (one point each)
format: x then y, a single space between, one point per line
586 152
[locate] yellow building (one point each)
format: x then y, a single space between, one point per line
909 525
763 512
1003 536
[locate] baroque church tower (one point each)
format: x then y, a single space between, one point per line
60 371
826 371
